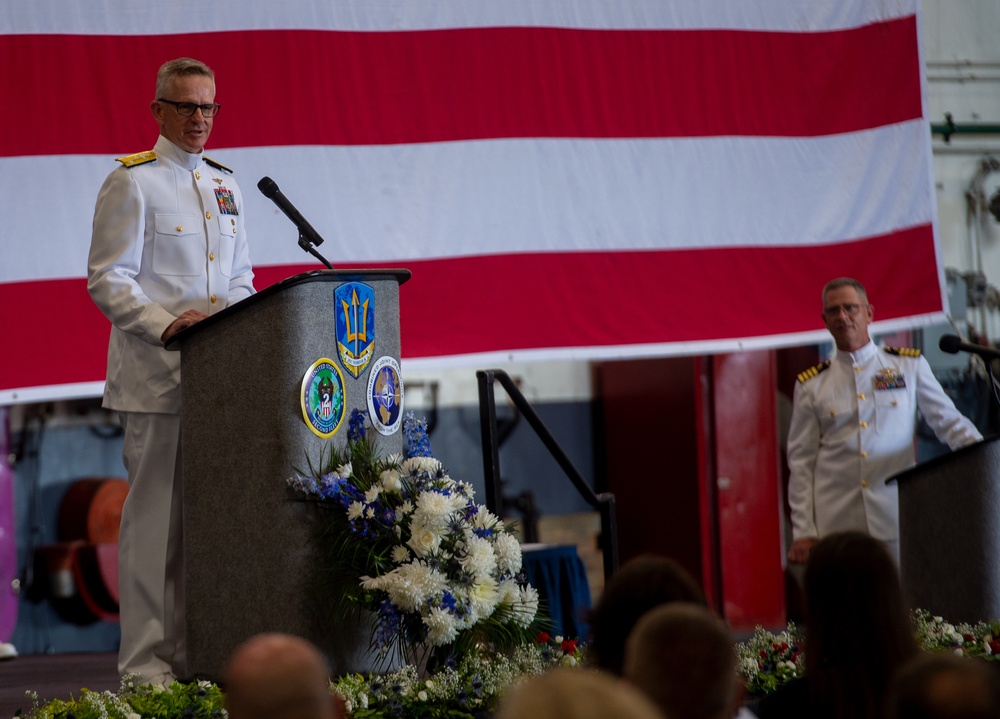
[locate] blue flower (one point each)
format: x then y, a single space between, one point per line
418 444
356 426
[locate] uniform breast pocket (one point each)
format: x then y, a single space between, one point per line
892 407
833 414
178 245
227 244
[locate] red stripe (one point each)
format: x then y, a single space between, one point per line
516 302
89 94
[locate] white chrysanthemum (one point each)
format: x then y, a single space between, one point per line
424 539
485 519
409 586
344 471
479 559
441 626
527 606
416 465
436 506
483 596
370 513
355 510
400 554
510 594
390 480
372 494
508 552
403 510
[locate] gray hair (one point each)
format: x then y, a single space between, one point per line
181 67
845 282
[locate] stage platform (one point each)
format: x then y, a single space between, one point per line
53 676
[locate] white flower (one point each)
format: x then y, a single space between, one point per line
400 554
479 559
437 506
390 480
422 696
441 627
508 552
485 519
424 540
509 593
409 586
370 513
484 597
355 510
416 465
372 494
527 606
344 471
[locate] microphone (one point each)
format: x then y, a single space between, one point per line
953 344
269 188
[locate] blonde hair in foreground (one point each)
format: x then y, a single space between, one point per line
565 693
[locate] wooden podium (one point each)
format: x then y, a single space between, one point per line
949 534
247 543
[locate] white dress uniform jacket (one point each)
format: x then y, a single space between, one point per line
853 424
168 236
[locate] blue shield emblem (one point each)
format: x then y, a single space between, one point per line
355 310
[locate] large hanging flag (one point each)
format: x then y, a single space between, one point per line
564 179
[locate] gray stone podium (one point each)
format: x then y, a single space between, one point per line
249 554
949 533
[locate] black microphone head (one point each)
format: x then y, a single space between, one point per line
268 187
950 344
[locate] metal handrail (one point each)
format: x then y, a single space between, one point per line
603 502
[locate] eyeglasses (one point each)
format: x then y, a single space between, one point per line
850 310
186 109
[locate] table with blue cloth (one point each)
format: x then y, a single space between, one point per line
557 572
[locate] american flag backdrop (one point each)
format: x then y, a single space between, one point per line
565 179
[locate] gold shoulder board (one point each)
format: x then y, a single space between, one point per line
813 371
218 165
139 158
903 351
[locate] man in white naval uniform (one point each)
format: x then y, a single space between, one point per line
853 423
168 249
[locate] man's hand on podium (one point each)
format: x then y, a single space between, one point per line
187 318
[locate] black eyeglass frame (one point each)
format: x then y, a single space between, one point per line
208 110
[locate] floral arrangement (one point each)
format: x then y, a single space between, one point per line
459 689
133 700
768 660
437 571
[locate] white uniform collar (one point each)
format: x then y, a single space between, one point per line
165 148
857 356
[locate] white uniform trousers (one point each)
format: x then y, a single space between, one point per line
150 562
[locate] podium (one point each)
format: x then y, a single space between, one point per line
949 533
249 374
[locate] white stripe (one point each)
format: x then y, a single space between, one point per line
129 17
403 202
504 360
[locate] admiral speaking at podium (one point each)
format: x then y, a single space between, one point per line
853 423
168 250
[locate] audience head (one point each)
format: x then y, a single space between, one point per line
638 586
279 676
944 686
565 693
858 628
682 657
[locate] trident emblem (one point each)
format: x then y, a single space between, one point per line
355 314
